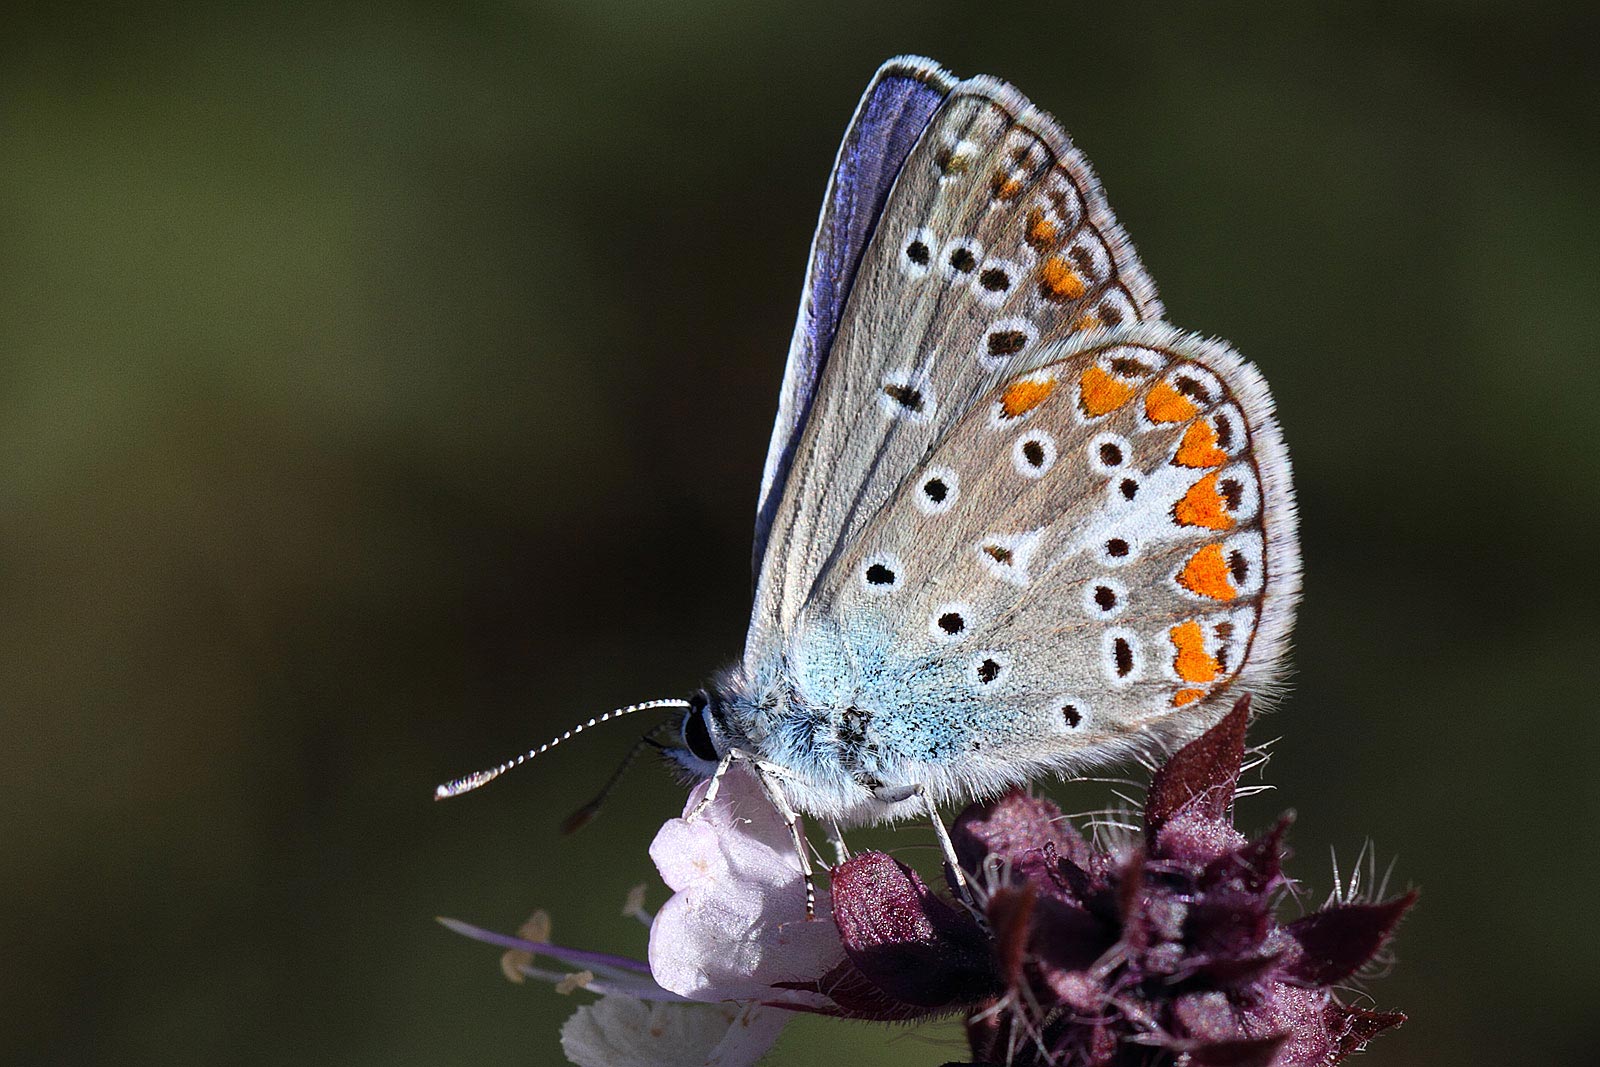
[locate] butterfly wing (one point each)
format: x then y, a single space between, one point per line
893 112
1096 558
994 242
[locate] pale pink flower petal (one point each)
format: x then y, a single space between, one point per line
736 925
624 1032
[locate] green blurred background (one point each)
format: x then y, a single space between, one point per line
387 387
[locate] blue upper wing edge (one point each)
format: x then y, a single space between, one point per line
894 111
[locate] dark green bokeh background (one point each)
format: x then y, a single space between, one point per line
385 388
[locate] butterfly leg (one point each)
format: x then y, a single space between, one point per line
768 776
948 847
841 851
715 785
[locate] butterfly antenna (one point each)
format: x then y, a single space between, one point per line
472 781
582 817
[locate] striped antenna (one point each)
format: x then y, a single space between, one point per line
472 781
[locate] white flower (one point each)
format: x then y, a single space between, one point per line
736 924
623 1032
734 928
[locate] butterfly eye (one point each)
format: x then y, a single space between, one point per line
698 730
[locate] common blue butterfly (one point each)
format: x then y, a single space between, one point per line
1012 523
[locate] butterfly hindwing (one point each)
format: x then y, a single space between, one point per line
1097 543
994 244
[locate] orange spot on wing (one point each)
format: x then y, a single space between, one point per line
1058 279
1202 505
1165 404
1198 448
1022 397
1042 232
1085 322
1100 392
1192 663
1206 573
1006 187
1186 696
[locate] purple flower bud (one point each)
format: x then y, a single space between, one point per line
1335 942
908 942
1163 950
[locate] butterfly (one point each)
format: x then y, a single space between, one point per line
1011 522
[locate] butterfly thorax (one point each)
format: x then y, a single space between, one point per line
830 756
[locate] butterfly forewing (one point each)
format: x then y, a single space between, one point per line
994 244
1098 543
897 106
